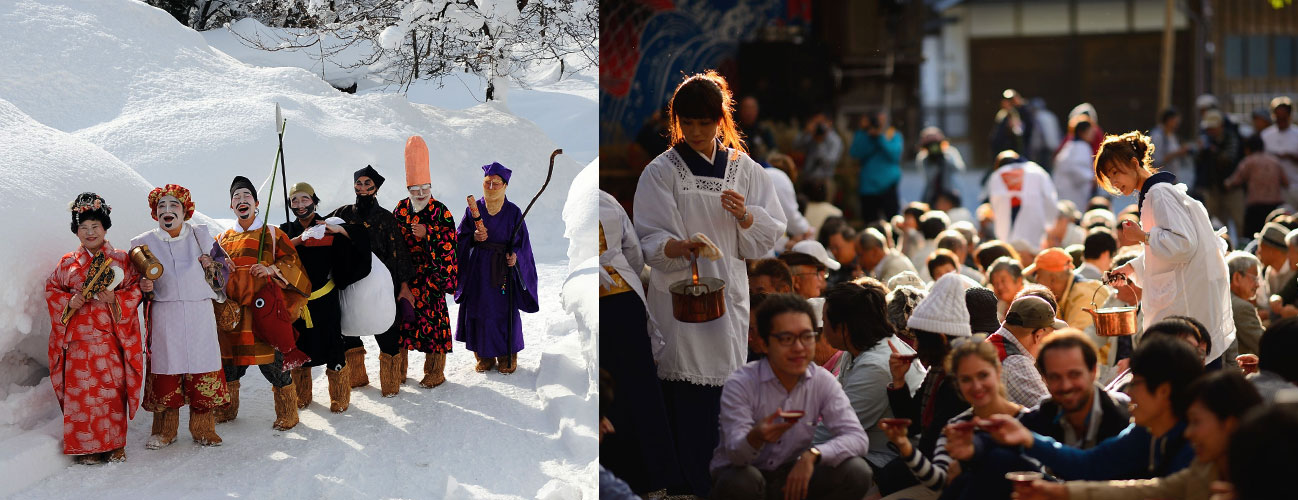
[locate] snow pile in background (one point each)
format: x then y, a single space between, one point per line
115 97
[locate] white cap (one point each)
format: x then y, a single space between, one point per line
1205 101
815 249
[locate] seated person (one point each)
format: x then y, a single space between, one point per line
1177 327
958 244
760 450
876 259
1219 400
1154 445
856 323
1005 275
1078 413
769 276
1028 321
976 368
942 261
1053 268
809 273
1263 453
1277 365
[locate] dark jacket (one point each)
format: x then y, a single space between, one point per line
946 404
1047 420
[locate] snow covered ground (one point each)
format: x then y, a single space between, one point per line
115 97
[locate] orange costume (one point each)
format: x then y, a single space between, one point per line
241 347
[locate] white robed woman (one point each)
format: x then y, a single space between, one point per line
703 195
1182 269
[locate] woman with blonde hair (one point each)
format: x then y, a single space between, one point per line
974 364
703 199
1181 269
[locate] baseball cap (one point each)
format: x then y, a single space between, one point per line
1052 260
1030 311
815 249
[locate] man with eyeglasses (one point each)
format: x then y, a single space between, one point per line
388 243
769 412
810 275
1244 283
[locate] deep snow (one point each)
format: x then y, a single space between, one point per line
114 96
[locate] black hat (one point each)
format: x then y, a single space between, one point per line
243 182
90 206
981 303
369 171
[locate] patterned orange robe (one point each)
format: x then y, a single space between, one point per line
241 347
96 360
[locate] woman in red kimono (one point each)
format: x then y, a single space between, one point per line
96 362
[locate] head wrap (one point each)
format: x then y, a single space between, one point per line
180 193
243 182
369 171
90 206
497 169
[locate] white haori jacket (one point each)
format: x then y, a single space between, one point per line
182 326
1030 183
1182 269
672 203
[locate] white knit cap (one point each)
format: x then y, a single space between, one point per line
944 310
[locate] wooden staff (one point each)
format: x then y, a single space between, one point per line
477 217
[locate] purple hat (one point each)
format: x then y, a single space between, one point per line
497 169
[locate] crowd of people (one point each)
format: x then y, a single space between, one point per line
182 314
928 351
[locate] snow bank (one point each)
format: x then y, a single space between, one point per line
176 110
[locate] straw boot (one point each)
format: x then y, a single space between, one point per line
507 364
434 364
403 366
302 381
118 455
484 364
228 412
388 375
202 425
165 423
340 391
285 407
356 360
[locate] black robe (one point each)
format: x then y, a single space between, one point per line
342 259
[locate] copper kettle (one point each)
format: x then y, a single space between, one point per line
698 300
1113 321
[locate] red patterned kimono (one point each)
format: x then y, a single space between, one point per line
96 361
436 275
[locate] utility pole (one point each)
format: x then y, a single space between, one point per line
1169 52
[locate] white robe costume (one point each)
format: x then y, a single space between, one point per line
672 203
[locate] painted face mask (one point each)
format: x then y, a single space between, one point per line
170 213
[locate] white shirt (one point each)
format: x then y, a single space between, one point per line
1182 269
1032 185
1073 173
623 253
797 224
182 333
1277 142
672 203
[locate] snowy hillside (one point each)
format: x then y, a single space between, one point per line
115 97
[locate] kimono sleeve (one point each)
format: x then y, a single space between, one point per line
445 275
351 255
128 292
657 217
524 271
57 295
768 215
289 264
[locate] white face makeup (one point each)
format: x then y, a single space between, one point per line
419 195
243 204
171 213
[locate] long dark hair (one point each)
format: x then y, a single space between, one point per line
704 95
860 308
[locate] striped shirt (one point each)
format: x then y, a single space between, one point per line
933 473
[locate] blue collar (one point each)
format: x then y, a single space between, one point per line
699 166
1158 178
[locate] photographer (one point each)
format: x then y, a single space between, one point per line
823 148
937 162
877 147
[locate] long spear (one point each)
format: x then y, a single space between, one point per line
283 178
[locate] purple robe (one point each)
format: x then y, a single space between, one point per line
482 323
